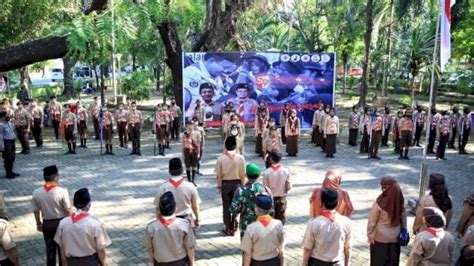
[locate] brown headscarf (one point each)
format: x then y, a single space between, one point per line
333 181
391 200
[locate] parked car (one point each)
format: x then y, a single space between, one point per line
57 74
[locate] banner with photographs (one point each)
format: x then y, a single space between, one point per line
303 80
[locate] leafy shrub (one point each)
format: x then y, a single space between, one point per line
137 85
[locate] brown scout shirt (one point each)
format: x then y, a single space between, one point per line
326 239
6 239
262 242
427 201
277 179
466 220
169 243
81 238
134 117
230 166
431 250
379 226
121 115
54 204
270 143
185 194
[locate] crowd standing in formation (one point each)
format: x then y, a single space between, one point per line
254 202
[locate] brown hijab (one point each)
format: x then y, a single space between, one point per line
333 181
391 200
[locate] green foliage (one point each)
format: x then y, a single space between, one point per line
405 100
463 86
463 43
137 85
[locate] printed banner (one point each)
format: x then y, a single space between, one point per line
303 80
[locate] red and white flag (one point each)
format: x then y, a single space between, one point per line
446 31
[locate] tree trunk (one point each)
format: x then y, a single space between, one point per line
102 84
25 76
52 47
68 80
388 53
344 75
94 65
173 49
413 88
435 90
365 63
134 61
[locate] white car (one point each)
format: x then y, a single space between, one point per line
57 74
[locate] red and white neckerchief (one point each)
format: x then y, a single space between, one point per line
293 124
49 186
189 144
355 120
241 109
332 126
420 119
274 144
18 118
409 125
78 215
275 167
264 220
330 215
434 231
95 111
231 156
167 221
445 126
378 124
176 183
388 119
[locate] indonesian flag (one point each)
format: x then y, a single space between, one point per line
446 31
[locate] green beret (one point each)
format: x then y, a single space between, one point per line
253 171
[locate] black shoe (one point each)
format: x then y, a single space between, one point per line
133 152
22 152
68 152
400 157
138 153
327 155
370 157
9 177
332 156
376 157
194 184
198 173
26 152
444 158
73 152
15 174
418 145
406 157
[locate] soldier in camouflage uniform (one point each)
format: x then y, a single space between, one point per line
243 201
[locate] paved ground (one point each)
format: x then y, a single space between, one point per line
123 187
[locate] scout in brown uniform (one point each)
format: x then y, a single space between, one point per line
134 121
7 144
327 240
438 198
434 245
187 197
466 219
107 126
292 128
272 142
387 121
121 116
314 126
81 113
464 127
396 132
176 113
364 128
170 125
190 153
331 130
466 256
22 126
69 127
405 127
354 120
454 117
241 138
322 121
169 240
50 204
376 135
82 238
161 127
263 240
419 120
387 220
55 112
434 119
37 117
277 179
230 175
284 115
199 138
8 252
444 130
94 110
226 119
261 122
199 112
266 132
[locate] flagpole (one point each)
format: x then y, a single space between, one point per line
424 165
